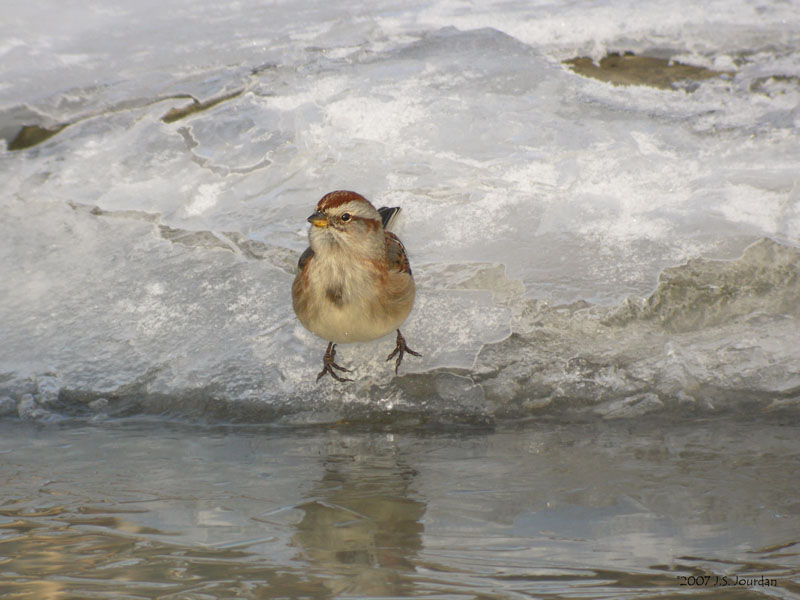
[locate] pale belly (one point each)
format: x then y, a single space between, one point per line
352 323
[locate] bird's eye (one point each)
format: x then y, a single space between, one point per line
345 217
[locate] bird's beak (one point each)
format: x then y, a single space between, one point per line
318 220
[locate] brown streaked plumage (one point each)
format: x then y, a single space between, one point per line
354 281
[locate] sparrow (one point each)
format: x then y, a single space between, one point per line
353 282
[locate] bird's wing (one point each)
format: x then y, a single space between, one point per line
306 256
396 254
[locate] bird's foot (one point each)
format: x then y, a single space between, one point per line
329 365
400 349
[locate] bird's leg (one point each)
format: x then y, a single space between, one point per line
329 365
400 349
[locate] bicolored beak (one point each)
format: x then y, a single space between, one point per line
318 219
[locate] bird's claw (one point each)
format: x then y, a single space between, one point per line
400 349
329 365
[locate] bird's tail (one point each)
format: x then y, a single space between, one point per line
388 216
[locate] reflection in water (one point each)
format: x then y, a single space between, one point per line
547 511
69 559
180 524
362 526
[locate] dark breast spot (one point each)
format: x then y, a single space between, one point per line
334 295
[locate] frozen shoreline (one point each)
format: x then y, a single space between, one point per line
611 250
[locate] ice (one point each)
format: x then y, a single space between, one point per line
578 245
712 332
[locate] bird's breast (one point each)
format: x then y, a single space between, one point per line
349 305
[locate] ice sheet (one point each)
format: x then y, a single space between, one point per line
149 243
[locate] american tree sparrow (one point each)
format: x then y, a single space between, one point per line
354 282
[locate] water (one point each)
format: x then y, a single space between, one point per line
148 509
620 248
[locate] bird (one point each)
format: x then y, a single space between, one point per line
354 281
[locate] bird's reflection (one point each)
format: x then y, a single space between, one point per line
362 525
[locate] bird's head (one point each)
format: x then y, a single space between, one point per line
346 221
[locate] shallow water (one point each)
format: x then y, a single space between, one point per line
150 509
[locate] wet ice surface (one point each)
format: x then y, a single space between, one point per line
553 510
578 245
